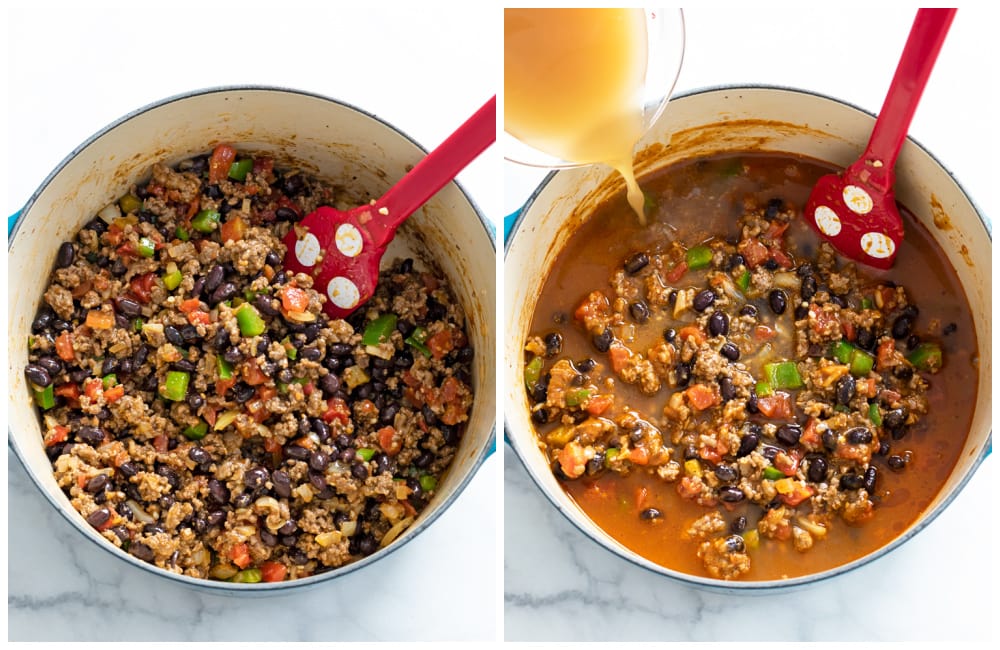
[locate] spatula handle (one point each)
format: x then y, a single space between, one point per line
432 173
922 46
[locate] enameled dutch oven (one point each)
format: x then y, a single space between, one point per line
335 141
742 119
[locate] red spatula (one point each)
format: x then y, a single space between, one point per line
856 209
342 250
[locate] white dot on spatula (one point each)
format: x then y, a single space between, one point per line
857 199
878 244
828 221
343 292
348 240
307 250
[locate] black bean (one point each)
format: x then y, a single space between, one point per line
603 340
347 455
650 513
255 478
97 483
865 339
141 551
801 312
636 262
789 434
883 448
870 478
845 389
65 255
173 479
296 452
896 462
199 455
738 525
311 354
340 349
173 335
901 327
127 306
223 292
817 470
184 365
553 343
669 334
726 473
165 502
93 436
748 443
734 262
367 544
735 544
749 310
829 439
221 339
37 375
435 310
218 493
109 365
359 471
387 415
804 269
190 334
771 264
851 482
672 297
285 376
912 342
730 351
317 481
233 355
365 391
99 517
285 214
128 469
682 372
282 483
726 388
51 365
731 494
215 518
540 416
751 406
774 206
777 299
838 300
718 324
703 300
319 461
639 311
807 288
770 452
242 392
858 436
894 419
43 319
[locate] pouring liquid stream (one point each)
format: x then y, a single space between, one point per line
573 82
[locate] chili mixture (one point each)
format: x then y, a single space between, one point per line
201 411
725 395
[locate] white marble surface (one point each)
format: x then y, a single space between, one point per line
560 585
421 68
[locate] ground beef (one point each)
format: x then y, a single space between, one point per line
225 453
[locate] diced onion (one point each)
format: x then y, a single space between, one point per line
139 513
395 531
109 213
348 528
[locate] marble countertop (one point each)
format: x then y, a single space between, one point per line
560 585
397 62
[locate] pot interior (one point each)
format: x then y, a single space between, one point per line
331 140
739 120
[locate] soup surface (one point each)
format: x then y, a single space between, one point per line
726 396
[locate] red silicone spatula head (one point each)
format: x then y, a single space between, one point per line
342 250
856 210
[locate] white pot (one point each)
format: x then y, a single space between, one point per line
330 139
741 119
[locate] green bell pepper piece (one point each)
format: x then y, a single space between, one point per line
577 397
861 363
532 373
46 397
773 473
428 483
874 415
866 303
248 576
699 257
842 351
379 329
176 385
782 375
926 356
147 247
365 453
250 322
239 169
108 381
224 367
763 389
418 340
743 282
290 350
129 203
196 431
172 280
182 233
610 455
206 221
137 324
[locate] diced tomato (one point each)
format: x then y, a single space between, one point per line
336 409
127 250
285 202
596 304
220 162
887 296
272 571
572 459
800 492
222 385
811 438
870 387
192 209
619 356
598 404
210 415
885 354
233 230
677 272
779 256
161 443
92 388
692 332
441 344
701 397
754 252
776 230
787 462
689 487
114 234
294 299
408 508
141 286
82 289
639 456
389 441
308 388
64 346
263 166
190 305
430 281
100 320
114 394
69 391
709 454
112 521
641 498
56 434
199 317
764 333
252 373
257 410
848 327
777 406
240 555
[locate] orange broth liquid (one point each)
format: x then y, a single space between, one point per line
573 81
703 198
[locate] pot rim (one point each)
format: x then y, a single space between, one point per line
262 588
713 584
